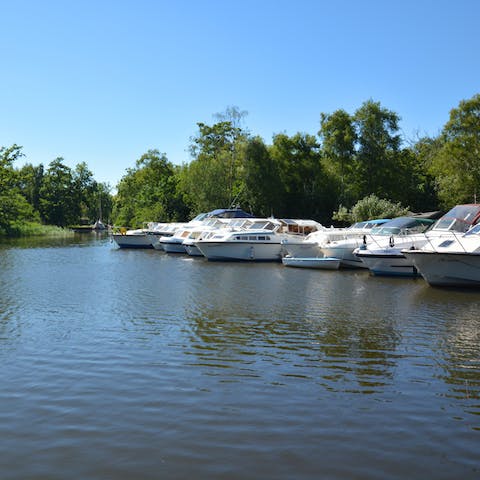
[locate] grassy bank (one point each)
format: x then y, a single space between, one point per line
32 229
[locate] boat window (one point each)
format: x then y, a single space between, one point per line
261 237
252 238
446 243
267 237
474 230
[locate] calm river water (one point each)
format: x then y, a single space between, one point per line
119 364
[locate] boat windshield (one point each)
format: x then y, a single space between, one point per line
369 224
459 218
403 226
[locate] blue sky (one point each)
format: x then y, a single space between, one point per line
104 81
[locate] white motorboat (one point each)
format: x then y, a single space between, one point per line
176 242
310 246
138 238
381 253
386 256
211 226
450 261
260 242
167 230
354 236
324 263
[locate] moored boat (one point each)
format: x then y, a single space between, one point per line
259 242
452 261
387 256
382 251
324 263
311 245
140 237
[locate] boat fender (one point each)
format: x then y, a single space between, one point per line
391 242
364 239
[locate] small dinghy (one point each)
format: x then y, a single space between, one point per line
328 263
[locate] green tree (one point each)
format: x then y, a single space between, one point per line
30 183
378 144
370 207
213 178
338 137
415 186
147 192
263 187
306 186
84 190
455 157
58 195
14 208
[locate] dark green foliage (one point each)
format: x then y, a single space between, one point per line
148 192
14 208
57 196
455 156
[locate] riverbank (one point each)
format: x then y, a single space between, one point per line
33 229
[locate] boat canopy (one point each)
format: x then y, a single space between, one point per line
229 213
301 226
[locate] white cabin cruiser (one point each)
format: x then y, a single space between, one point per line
387 257
141 237
176 242
450 261
309 247
343 246
381 253
261 241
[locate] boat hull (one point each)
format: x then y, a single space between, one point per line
193 250
453 269
173 247
388 264
324 263
241 251
302 249
347 258
134 241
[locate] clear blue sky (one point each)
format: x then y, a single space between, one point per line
103 81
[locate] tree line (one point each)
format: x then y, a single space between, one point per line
322 176
56 195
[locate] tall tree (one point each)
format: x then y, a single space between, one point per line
213 178
147 192
14 208
378 143
58 198
263 187
338 137
84 189
306 187
30 182
456 156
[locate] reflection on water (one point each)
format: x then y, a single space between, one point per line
138 364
